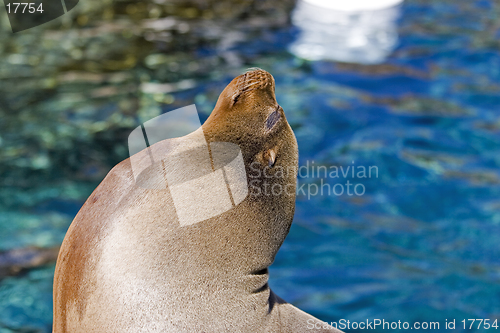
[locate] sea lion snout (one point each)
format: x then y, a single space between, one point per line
256 86
247 106
255 78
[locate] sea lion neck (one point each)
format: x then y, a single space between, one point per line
248 115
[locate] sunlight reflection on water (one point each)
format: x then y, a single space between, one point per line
351 32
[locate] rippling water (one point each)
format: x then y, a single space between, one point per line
421 244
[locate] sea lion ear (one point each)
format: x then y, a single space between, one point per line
270 157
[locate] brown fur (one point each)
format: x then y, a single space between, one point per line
127 266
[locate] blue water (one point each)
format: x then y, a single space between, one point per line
421 243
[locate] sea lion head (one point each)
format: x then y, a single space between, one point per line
248 115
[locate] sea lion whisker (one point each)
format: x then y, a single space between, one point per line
253 69
246 87
247 90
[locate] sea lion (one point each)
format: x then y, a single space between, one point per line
127 264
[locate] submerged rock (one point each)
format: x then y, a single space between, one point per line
16 261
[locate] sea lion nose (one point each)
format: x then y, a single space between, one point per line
255 78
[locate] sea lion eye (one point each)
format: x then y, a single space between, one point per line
235 98
273 118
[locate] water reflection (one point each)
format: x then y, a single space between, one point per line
354 31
